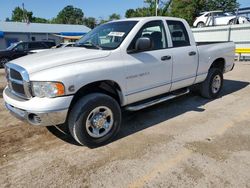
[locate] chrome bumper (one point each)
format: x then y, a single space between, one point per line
39 118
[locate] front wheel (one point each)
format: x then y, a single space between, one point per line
95 120
213 84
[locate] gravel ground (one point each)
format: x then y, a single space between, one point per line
187 142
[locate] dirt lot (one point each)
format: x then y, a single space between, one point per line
188 142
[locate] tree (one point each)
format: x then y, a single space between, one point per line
69 15
90 22
39 20
186 9
149 9
224 5
20 15
114 16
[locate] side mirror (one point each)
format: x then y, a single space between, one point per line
143 44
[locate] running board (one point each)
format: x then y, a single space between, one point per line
140 106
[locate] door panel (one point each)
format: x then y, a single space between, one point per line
184 66
147 75
185 56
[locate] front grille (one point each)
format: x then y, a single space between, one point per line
18 80
17 88
15 75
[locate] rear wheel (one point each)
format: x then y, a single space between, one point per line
213 84
3 61
95 120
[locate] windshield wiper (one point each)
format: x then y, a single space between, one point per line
89 45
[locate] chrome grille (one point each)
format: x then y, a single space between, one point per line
18 81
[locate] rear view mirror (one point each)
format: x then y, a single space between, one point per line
143 44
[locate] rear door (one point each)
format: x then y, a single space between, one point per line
185 56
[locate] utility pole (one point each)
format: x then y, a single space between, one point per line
156 7
23 12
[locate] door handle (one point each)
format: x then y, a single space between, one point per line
167 57
192 53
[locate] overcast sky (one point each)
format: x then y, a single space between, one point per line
95 8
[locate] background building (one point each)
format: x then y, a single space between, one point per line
11 32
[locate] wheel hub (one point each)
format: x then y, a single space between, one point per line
216 84
99 120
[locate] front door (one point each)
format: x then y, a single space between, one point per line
149 73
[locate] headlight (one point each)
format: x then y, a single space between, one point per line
47 89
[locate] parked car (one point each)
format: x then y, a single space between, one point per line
61 45
66 44
214 18
20 49
141 62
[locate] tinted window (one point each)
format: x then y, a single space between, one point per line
50 44
21 47
155 31
36 45
178 33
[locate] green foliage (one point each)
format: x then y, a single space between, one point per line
187 9
69 15
225 5
20 15
114 16
90 22
39 20
149 9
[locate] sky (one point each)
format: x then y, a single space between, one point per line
94 8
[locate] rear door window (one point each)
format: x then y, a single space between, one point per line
178 33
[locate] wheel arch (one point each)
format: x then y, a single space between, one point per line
219 63
108 87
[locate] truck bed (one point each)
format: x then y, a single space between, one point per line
212 42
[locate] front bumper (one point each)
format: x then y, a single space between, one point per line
38 111
39 118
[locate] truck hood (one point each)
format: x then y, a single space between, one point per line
58 57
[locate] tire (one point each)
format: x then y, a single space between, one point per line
3 61
213 84
200 25
88 124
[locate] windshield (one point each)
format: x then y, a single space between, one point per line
13 45
107 36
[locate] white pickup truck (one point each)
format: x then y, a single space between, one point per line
127 64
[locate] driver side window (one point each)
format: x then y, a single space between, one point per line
155 31
21 47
